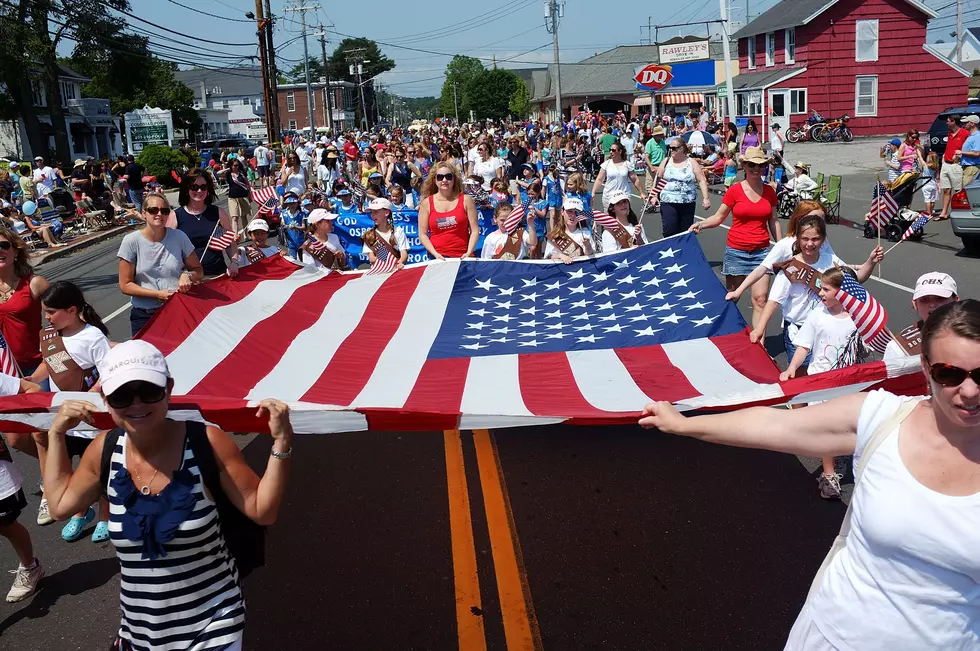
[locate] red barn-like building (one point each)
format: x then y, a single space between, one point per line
866 58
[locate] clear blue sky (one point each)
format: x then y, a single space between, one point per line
511 29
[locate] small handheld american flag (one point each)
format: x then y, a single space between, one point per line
515 217
883 207
221 239
386 262
8 364
869 316
917 226
315 244
654 198
605 220
266 199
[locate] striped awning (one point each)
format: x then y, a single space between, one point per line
682 98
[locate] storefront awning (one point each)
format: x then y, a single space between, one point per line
642 101
682 98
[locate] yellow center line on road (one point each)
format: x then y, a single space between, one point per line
521 630
469 613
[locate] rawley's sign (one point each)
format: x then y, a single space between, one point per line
680 52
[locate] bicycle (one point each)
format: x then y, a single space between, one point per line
806 131
835 129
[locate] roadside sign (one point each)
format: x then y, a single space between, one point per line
652 77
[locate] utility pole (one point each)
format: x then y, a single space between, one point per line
553 12
959 32
264 62
726 30
328 103
456 102
355 58
747 18
302 9
275 124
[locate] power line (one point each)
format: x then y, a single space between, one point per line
506 11
234 20
167 29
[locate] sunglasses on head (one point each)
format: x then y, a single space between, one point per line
948 375
445 177
147 392
157 210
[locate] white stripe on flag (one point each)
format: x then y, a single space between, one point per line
707 369
604 381
399 365
492 387
309 353
824 395
224 328
314 418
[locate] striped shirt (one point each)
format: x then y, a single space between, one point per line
189 599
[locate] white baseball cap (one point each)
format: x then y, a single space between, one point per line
379 204
258 225
572 203
934 283
616 196
131 361
319 214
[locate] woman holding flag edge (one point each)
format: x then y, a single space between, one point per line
206 224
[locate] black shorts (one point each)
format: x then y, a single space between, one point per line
76 446
263 171
10 508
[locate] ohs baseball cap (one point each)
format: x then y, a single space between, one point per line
258 225
614 197
131 361
934 283
572 203
379 204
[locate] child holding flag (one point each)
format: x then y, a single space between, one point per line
510 241
294 223
384 235
322 244
568 238
259 249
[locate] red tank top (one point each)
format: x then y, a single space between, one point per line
20 323
449 232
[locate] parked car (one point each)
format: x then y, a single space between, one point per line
964 216
939 132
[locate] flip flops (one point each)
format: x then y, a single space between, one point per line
101 533
73 530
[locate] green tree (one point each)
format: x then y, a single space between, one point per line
297 74
520 100
363 49
160 161
460 70
489 93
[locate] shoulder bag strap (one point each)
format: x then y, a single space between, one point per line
108 447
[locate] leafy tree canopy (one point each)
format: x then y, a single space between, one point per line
460 70
489 93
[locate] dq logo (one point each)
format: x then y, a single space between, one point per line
654 76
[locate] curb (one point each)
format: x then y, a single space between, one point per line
71 248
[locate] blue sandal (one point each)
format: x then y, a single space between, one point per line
101 533
73 530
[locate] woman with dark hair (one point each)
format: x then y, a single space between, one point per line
448 223
368 165
902 574
239 195
616 175
628 234
731 140
750 138
293 175
198 217
684 177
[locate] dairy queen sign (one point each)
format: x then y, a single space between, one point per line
652 77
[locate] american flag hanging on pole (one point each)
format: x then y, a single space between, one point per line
221 239
8 364
883 207
869 316
267 200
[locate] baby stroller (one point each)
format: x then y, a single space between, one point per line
902 190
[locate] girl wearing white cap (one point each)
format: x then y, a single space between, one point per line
568 238
629 233
322 244
932 291
259 249
173 489
384 234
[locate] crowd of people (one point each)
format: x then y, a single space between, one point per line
151 479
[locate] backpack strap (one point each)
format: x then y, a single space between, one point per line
108 447
877 438
197 441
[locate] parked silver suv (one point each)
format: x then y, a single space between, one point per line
964 216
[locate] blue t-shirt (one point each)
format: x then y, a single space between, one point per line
540 223
295 238
972 144
552 191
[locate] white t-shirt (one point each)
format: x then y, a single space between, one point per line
617 177
44 179
296 183
798 300
782 251
830 338
494 242
10 479
487 169
907 580
580 236
333 243
242 259
87 347
396 238
472 155
894 351
261 156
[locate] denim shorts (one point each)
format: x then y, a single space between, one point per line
742 263
789 331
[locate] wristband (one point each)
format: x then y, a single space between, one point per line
282 455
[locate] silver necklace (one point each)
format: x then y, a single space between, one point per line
144 488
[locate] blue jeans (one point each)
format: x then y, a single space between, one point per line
136 198
138 316
791 347
677 217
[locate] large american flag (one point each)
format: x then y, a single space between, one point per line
869 316
467 344
8 364
883 207
267 200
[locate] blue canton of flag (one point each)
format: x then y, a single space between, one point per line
656 294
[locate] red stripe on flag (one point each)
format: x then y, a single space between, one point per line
356 358
751 361
543 377
655 376
262 348
436 397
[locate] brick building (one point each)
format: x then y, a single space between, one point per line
294 111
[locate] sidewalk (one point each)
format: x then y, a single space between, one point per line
41 256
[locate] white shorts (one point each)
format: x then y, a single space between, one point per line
930 192
951 177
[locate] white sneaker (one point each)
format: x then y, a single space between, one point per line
43 517
25 582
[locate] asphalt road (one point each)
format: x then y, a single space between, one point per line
549 537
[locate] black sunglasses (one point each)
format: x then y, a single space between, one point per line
148 394
157 210
199 186
750 165
5 246
674 147
445 177
952 376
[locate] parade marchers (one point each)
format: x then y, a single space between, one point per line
174 498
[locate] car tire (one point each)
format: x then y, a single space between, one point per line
971 243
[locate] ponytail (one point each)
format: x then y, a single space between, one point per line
62 295
90 316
